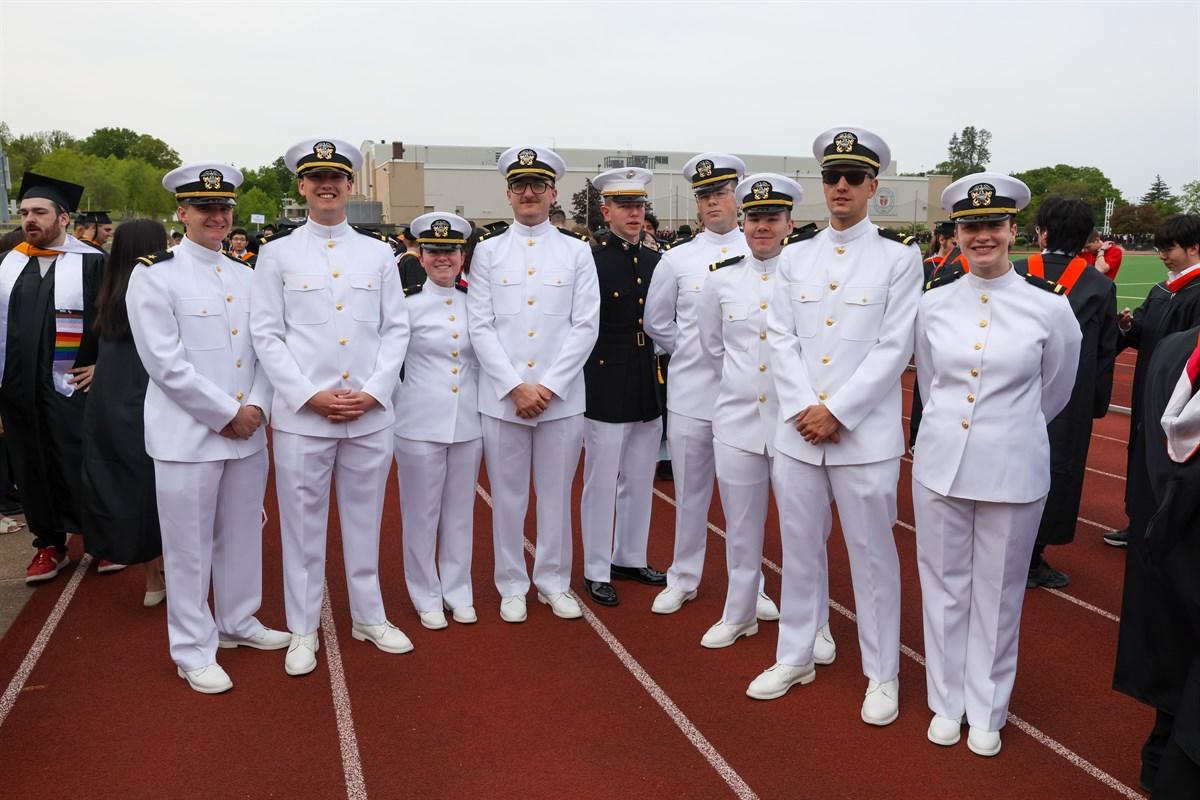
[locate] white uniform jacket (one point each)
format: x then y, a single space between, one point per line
329 313
190 317
438 400
996 361
671 309
534 316
841 328
732 320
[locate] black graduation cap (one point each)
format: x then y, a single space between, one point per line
945 228
93 218
64 193
496 226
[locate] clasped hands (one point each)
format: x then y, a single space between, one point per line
341 405
817 425
530 399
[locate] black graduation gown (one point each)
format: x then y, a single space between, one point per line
621 375
411 272
1161 314
43 429
1093 299
1156 643
120 510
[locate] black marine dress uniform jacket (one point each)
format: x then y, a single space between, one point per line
620 376
1093 299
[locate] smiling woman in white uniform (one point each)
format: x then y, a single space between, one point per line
996 359
437 434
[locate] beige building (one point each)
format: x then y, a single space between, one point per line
409 180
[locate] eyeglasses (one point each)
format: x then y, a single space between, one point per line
854 177
537 187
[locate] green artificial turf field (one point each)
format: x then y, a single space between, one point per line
1138 273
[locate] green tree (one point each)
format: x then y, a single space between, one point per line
1139 220
275 179
1158 192
1088 184
109 142
144 194
100 178
25 151
968 152
585 207
1189 197
154 152
255 201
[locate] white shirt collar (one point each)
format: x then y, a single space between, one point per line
860 228
1176 275
540 229
327 231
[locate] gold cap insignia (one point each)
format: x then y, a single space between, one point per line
844 142
211 178
761 189
526 157
440 228
324 150
704 169
981 194
630 174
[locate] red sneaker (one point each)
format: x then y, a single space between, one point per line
104 565
46 564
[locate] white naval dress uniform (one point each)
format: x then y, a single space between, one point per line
996 359
841 335
692 380
534 316
190 317
732 323
329 313
438 446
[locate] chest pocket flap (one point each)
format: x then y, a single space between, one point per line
201 323
305 301
863 312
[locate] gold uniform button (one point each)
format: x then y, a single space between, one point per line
454 335
766 277
238 364
864 300
531 334
238 396
762 334
978 346
824 359
228 298
639 281
639 320
841 251
345 375
616 294
305 286
762 367
342 341
454 370
762 398
337 274
724 249
531 270
965 424
218 269
530 242
974 373
832 287
529 363
454 354
983 298
529 301
330 244
234 331
454 389
504 280
204 311
829 322
449 301
601 362
763 306
452 318
822 396
339 306
370 285
970 398
641 301
696 287
983 323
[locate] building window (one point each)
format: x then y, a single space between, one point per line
613 162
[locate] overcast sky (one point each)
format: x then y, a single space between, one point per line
1109 84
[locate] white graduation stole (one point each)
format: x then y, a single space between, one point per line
68 311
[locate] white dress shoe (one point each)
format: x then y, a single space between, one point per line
670 600
881 706
301 657
944 731
206 680
512 609
824 650
264 639
723 635
464 615
562 604
386 636
765 608
983 743
151 599
776 681
434 620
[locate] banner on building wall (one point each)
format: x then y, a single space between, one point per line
883 204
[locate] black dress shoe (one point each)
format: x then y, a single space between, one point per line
647 575
1045 575
663 472
1117 538
603 593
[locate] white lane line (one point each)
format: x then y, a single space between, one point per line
1099 525
1110 438
1054 745
43 638
706 749
356 787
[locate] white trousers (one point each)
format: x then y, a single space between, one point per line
866 501
973 559
211 519
304 466
618 477
552 450
437 504
744 480
691 443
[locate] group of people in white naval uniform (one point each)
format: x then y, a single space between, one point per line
787 350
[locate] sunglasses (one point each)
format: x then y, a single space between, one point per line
854 177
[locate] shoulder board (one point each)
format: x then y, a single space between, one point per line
416 288
151 260
279 234
677 242
573 234
800 236
500 227
232 257
725 263
888 233
1042 283
943 278
370 233
461 285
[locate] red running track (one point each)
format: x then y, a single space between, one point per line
622 703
